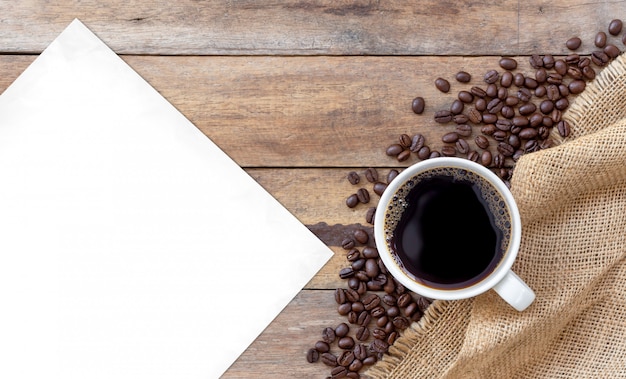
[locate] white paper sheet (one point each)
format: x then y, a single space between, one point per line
131 246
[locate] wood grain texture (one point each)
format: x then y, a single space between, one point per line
306 111
301 92
321 27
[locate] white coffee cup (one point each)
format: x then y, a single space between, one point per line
501 278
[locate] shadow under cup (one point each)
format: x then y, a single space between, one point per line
447 228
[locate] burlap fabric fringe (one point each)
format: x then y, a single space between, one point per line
572 199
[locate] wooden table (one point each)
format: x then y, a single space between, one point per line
299 93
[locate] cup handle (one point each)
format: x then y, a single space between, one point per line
514 291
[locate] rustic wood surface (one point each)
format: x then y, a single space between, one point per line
301 92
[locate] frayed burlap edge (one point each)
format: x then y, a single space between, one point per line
576 115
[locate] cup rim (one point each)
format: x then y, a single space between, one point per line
443 294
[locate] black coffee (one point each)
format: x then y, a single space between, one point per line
448 228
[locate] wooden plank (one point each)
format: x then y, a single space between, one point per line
281 348
347 27
306 111
351 27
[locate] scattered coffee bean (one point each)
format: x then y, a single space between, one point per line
322 347
573 43
338 372
352 201
363 195
451 137
417 142
462 146
394 149
564 128
442 85
463 77
371 174
600 40
312 355
418 105
443 116
404 155
508 64
370 214
353 178
615 27
342 330
361 236
611 50
491 76
346 342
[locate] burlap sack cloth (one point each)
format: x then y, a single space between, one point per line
572 200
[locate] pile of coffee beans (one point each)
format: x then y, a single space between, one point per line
495 122
510 113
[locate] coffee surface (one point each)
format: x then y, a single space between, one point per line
448 229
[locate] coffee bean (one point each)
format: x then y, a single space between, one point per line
546 106
371 301
352 201
506 80
371 268
474 116
561 104
362 333
370 214
499 135
361 236
462 146
312 355
494 106
624 39
488 129
370 252
363 195
370 360
528 133
564 128
340 296
612 51
530 83
442 85
505 149
536 61
364 318
404 155
394 149
346 272
478 92
492 90
391 175
589 72
342 330
489 118
379 187
535 120
351 295
353 177
463 77
473 156
443 116
574 72
448 151
527 109
418 105
482 142
541 75
346 358
491 76
599 58
524 95
393 311
615 27
460 119
485 158
360 351
514 141
560 67
353 255
371 174
504 125
577 86
600 40
379 346
424 152
379 333
357 306
346 342
354 367
457 107
322 347
451 137
347 243
465 96
508 63
401 323
338 372
573 43
417 142
548 61
464 130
